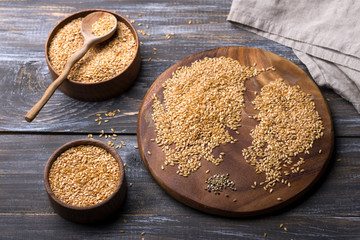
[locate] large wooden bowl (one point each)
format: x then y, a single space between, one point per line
98 211
100 90
249 202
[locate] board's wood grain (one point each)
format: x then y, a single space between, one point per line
332 211
190 190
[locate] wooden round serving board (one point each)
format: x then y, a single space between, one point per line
249 202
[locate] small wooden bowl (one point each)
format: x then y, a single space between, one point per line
100 90
95 212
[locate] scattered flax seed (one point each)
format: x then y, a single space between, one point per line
207 171
122 231
111 143
235 200
149 59
338 160
139 14
265 235
139 24
148 152
217 183
279 199
99 123
118 146
188 131
132 21
136 147
106 120
101 62
281 225
124 164
162 167
90 135
168 36
84 175
147 27
143 233
285 229
278 137
172 34
155 49
130 184
153 140
190 22
320 151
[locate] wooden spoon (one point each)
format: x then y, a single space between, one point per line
89 41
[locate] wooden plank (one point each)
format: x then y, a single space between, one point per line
199 226
23 158
24 74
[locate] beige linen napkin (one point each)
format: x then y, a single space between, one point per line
324 34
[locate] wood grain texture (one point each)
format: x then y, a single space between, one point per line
331 211
190 190
25 76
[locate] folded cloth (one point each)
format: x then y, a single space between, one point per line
324 34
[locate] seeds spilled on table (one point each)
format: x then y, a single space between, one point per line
199 103
288 126
84 175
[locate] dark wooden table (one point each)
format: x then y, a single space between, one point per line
330 211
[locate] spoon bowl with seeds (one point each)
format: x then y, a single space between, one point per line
96 27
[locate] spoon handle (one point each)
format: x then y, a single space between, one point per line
55 84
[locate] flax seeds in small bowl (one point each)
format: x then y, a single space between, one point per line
107 69
85 181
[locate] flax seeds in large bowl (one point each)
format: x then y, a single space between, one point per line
84 180
106 70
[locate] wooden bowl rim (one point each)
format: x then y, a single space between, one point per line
75 143
83 13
